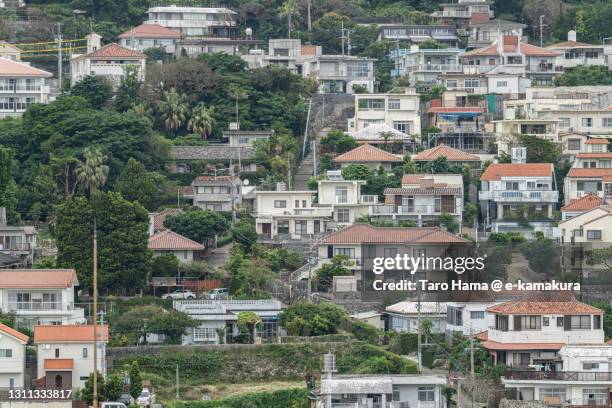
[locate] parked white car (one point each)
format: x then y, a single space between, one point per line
180 294
110 404
219 293
146 398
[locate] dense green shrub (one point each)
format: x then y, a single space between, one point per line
290 398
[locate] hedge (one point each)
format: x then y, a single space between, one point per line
289 398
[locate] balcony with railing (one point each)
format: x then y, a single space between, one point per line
16 246
368 199
37 307
415 210
573 376
434 68
513 196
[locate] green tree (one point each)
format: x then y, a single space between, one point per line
201 121
113 387
94 89
607 318
173 324
449 222
437 166
289 9
135 183
165 265
432 45
244 233
585 75
87 391
356 172
155 54
8 187
248 322
542 254
237 94
337 267
540 150
410 167
93 173
135 380
309 319
174 110
337 142
251 278
122 226
127 93
198 225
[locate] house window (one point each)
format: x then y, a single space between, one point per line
524 359
374 104
595 396
565 123
6 353
607 122
390 252
437 204
478 314
280 204
396 392
587 122
348 252
341 195
451 83
552 394
297 203
594 235
580 322
530 322
426 393
545 321
204 334
573 144
402 126
512 185
589 186
57 353
394 104
596 322
559 321
343 215
577 233
300 227
502 83
84 352
590 366
472 83
243 140
283 227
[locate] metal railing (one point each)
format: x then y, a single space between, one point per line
15 246
559 375
38 306
520 196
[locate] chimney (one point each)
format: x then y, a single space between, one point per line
93 42
2 217
571 35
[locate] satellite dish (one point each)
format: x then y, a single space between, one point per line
246 182
248 32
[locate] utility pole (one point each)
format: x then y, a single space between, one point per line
233 192
419 359
59 54
102 346
472 364
542 30
289 170
177 382
95 315
342 36
314 157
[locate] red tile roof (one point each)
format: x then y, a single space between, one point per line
600 155
367 153
150 31
366 233
596 141
442 150
589 173
13 333
112 50
170 241
476 18
68 333
309 50
511 45
496 171
453 109
493 345
37 278
59 364
19 69
534 307
584 203
570 44
160 217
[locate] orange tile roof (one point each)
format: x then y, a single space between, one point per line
367 153
150 31
600 155
584 203
169 241
366 233
493 345
496 171
112 50
479 17
451 109
13 333
160 217
589 173
597 141
59 364
443 150
68 333
19 69
533 307
511 45
309 50
37 278
570 44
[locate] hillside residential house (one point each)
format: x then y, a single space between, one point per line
461 127
484 33
183 157
422 198
415 34
217 193
345 199
194 21
219 318
21 85
509 131
580 181
403 317
9 51
454 157
109 61
364 242
241 138
464 12
514 192
40 296
284 52
425 65
511 50
12 357
382 135
581 377
147 36
169 242
65 354
156 220
574 53
399 111
290 215
573 143
371 156
382 390
532 330
580 205
17 243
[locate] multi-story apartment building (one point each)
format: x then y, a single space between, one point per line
484 33
581 377
109 61
423 198
371 156
40 296
424 66
217 193
463 12
515 194
147 36
194 21
17 243
538 63
290 215
574 53
345 199
399 111
21 85
12 357
415 34
531 331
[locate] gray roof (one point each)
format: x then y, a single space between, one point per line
424 191
500 22
213 152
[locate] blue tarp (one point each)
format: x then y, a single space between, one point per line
459 115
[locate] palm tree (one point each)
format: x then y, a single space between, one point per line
289 9
385 136
93 173
174 109
201 121
237 94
